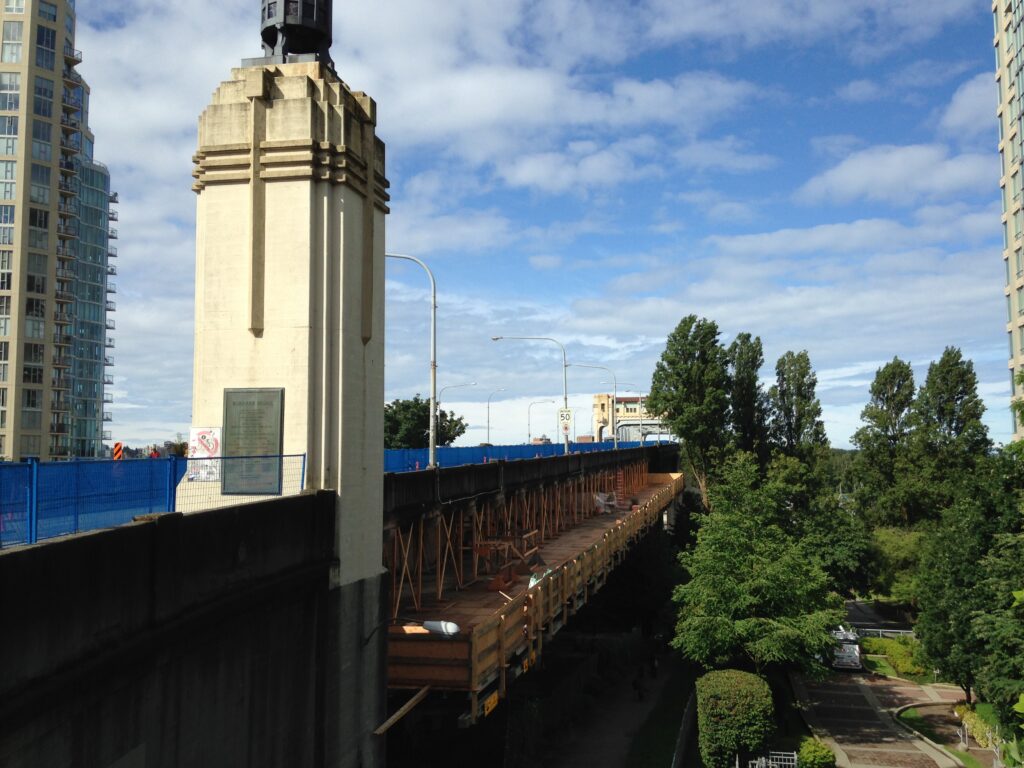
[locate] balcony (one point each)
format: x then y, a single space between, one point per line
112 233
59 452
67 229
67 166
109 343
66 251
108 378
71 102
64 296
69 208
110 306
111 287
108 416
70 123
111 252
67 186
72 56
63 318
60 381
65 273
60 405
110 324
112 199
105 434
58 429
70 76
111 269
63 339
107 397
111 215
61 361
108 360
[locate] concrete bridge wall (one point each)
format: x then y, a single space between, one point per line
192 640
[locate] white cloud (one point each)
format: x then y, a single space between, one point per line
860 91
902 175
725 154
971 112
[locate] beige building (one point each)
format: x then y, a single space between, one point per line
54 243
630 417
1008 16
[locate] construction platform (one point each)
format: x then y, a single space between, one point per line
505 621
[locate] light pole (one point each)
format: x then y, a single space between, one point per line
615 394
529 434
437 417
432 443
499 389
565 365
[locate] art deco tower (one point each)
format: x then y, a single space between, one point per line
55 238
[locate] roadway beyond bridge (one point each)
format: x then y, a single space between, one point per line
212 638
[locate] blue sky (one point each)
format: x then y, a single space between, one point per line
822 174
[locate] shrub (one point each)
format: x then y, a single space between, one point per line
976 726
814 754
904 653
734 713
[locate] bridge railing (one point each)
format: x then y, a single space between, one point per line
413 459
44 500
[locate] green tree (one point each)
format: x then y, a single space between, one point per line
895 559
884 445
690 389
796 425
948 582
999 622
753 596
735 712
747 398
407 424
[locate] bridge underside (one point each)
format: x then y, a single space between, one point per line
510 568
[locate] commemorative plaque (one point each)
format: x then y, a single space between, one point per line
252 441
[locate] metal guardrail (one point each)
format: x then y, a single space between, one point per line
43 500
878 632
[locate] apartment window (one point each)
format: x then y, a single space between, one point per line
5 270
8 135
42 102
10 89
6 224
3 406
40 184
5 320
46 45
36 279
38 228
31 411
35 328
41 138
47 11
11 51
35 308
30 445
32 374
14 6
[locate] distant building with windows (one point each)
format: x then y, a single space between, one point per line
55 243
630 417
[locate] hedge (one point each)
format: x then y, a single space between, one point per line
976 726
734 713
904 653
814 754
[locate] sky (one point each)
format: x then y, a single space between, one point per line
823 174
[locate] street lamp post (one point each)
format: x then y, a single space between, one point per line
499 389
565 365
529 434
615 394
432 443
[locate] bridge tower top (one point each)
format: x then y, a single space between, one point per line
290 27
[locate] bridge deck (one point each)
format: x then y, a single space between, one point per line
502 632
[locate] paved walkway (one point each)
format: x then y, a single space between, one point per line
853 713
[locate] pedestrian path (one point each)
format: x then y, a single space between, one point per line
854 714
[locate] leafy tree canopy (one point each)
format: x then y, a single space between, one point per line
748 400
795 409
407 424
690 389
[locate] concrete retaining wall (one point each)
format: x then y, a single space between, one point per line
197 640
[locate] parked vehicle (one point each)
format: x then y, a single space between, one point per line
847 651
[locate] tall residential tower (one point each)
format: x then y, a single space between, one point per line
55 234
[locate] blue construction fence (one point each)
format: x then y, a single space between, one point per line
412 459
40 500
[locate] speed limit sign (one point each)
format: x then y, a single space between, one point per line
565 419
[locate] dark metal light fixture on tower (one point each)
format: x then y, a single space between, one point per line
295 27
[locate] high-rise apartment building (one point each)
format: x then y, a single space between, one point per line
1009 44
55 235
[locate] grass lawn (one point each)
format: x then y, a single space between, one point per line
969 760
913 718
880 665
655 742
